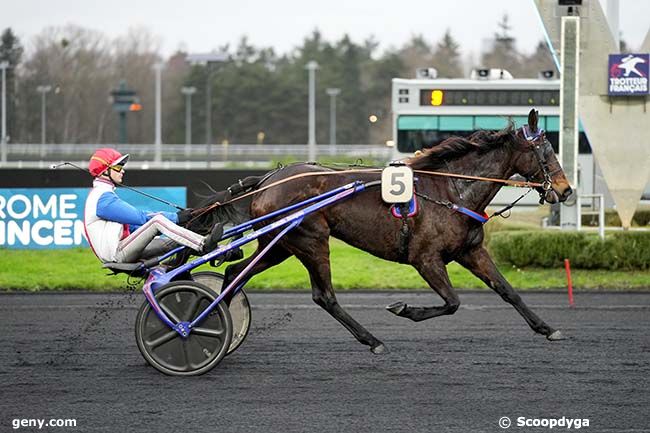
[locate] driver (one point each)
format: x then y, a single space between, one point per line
108 220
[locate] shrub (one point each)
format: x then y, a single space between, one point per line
545 249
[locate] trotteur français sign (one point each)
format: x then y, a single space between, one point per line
628 74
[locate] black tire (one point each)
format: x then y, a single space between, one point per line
165 349
240 308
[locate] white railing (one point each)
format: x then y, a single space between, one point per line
596 207
217 154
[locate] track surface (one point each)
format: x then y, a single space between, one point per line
74 356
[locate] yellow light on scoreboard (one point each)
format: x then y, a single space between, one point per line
436 97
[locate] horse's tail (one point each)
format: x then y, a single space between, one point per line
211 211
224 207
215 208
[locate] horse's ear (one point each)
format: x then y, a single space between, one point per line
532 120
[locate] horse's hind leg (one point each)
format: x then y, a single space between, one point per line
313 252
274 256
435 274
479 262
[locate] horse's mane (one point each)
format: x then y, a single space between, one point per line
455 147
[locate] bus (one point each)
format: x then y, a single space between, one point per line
428 110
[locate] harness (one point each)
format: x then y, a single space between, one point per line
404 211
407 210
480 217
533 138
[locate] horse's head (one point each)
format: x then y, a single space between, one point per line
537 162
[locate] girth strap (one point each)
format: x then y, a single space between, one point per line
404 232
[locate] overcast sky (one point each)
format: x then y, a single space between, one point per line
203 25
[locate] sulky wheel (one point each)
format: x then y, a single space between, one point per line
165 349
240 309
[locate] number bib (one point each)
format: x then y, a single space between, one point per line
397 184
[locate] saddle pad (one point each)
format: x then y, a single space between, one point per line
413 209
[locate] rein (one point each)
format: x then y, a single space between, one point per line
516 183
529 135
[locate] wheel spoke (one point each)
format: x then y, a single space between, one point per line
214 333
186 359
162 339
193 307
173 317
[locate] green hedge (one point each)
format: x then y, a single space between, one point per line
546 249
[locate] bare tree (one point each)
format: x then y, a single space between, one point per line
175 72
76 63
503 53
11 51
540 60
447 57
134 58
416 53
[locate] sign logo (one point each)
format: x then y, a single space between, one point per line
44 218
628 74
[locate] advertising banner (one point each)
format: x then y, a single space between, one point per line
43 218
628 74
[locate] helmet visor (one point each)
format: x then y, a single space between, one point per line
118 165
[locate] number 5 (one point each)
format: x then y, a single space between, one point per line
396 182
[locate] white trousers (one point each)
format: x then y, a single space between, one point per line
131 247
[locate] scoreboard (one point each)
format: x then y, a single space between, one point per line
492 97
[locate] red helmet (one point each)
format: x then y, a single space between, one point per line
104 158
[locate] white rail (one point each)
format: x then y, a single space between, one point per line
196 152
592 210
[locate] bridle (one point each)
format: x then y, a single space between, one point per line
537 143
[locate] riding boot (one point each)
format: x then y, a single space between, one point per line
233 255
212 240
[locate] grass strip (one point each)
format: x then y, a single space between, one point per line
352 269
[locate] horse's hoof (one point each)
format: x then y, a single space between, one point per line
378 350
555 336
396 307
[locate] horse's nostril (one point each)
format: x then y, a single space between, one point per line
567 192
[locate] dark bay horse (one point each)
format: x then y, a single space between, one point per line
438 235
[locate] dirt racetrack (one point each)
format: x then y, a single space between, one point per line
73 356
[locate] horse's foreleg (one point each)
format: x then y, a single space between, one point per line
479 262
435 274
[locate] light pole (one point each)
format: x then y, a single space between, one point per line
311 66
208 59
332 92
613 20
43 90
188 92
3 133
158 67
